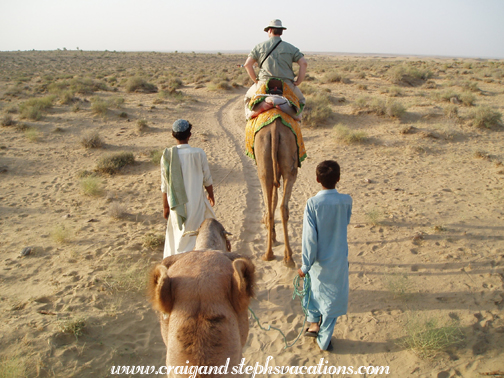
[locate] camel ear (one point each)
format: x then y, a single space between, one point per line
160 289
242 284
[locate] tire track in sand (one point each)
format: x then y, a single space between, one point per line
244 199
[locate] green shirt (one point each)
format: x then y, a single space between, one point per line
279 63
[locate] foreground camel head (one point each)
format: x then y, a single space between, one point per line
203 298
211 236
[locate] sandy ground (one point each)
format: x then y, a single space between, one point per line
426 237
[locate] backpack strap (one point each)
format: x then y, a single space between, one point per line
269 53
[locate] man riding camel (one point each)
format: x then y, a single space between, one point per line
274 58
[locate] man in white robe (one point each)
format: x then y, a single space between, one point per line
325 254
192 168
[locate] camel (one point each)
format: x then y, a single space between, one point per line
211 235
202 297
276 155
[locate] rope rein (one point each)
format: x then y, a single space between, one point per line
298 292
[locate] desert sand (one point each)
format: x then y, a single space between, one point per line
426 239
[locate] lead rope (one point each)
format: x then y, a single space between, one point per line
297 293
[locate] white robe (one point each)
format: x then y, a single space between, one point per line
196 174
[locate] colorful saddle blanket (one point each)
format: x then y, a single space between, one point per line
264 119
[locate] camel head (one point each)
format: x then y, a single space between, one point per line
211 236
203 297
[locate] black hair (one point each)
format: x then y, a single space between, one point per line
182 135
277 31
328 173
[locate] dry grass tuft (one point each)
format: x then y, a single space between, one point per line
92 140
152 241
485 117
427 338
60 234
317 110
91 186
117 210
73 326
111 164
346 135
137 84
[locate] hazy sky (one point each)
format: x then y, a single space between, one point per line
459 28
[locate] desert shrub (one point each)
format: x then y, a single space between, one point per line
77 85
116 102
399 285
123 115
317 110
117 210
378 106
155 156
451 111
348 136
87 85
471 86
360 103
152 241
332 77
220 86
32 108
485 117
427 338
308 89
32 134
467 98
14 366
137 84
99 106
362 87
60 234
445 95
91 186
142 125
174 84
72 326
374 217
408 75
394 91
394 109
66 97
91 140
7 120
111 164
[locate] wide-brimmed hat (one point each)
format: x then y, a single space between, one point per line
275 24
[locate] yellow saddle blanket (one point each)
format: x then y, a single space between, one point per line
264 119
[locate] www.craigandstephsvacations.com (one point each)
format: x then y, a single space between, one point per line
322 367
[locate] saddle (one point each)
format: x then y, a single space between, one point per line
275 87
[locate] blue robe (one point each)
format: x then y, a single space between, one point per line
325 251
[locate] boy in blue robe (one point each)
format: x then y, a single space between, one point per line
325 254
